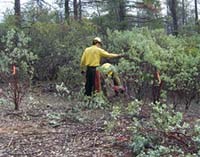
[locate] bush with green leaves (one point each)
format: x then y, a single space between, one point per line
16 52
60 46
16 65
160 132
71 79
177 59
96 101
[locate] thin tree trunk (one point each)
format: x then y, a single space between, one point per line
121 14
122 11
75 5
66 10
174 16
196 12
183 12
17 13
80 10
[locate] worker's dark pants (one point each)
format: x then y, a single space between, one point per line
90 80
156 93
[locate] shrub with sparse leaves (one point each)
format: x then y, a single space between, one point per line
16 65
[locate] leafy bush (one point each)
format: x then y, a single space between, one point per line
69 77
16 65
60 45
155 130
177 59
17 53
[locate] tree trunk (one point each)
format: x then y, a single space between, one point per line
17 13
75 5
196 12
122 11
183 12
66 10
174 16
122 14
80 10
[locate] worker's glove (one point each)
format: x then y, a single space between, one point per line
123 55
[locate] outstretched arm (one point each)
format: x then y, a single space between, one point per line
105 54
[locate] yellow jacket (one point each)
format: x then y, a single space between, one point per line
92 56
108 69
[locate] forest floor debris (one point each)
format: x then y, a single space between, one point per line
43 128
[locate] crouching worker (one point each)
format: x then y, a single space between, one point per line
108 70
91 59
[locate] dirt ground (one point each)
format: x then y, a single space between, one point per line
43 127
47 126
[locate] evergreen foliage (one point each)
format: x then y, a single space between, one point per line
177 62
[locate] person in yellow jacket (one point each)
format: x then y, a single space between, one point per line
91 59
109 70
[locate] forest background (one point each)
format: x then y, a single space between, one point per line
44 42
